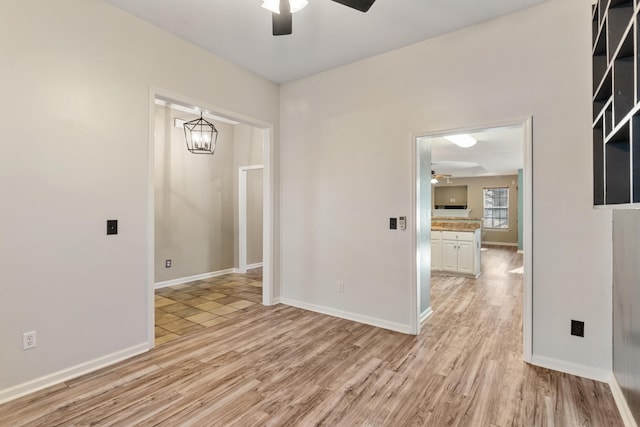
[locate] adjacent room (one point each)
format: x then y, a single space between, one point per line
208 220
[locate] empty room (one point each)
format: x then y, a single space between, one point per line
331 311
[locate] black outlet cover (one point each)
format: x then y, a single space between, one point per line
393 223
112 226
577 328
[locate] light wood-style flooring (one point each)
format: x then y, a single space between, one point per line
278 366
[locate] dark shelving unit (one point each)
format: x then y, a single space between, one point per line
616 103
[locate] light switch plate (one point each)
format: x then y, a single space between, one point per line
112 226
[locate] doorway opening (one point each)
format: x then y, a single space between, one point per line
194 242
250 217
483 198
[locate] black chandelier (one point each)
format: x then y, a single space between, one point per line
201 136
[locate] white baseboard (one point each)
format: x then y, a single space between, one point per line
183 280
69 373
424 316
256 265
520 251
499 243
621 402
572 368
373 321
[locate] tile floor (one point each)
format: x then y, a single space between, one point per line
185 308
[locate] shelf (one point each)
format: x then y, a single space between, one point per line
617 168
599 106
595 25
618 21
598 164
608 121
623 101
600 62
618 3
616 110
602 9
635 157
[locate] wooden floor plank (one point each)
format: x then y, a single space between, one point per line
275 366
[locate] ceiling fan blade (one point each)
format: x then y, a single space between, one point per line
361 5
283 21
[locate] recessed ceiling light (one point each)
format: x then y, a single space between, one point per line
463 140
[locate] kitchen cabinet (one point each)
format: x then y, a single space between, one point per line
436 250
456 252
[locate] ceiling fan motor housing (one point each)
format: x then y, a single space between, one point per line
283 22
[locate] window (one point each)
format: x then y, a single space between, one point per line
496 207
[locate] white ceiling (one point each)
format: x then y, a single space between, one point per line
499 151
325 34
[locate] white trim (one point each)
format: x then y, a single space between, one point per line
242 215
183 280
527 239
269 217
499 243
424 316
520 251
572 368
151 309
256 265
621 403
420 240
373 321
49 380
268 194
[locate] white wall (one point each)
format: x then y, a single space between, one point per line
194 201
346 167
74 120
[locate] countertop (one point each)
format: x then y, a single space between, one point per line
453 218
454 226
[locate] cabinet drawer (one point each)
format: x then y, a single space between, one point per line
436 235
458 235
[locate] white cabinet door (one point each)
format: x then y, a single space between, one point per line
436 254
450 252
465 257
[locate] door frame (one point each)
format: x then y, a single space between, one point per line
527 295
267 128
242 215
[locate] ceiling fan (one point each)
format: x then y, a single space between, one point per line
282 11
436 176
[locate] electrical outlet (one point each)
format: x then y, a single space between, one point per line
167 263
28 340
340 286
577 328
